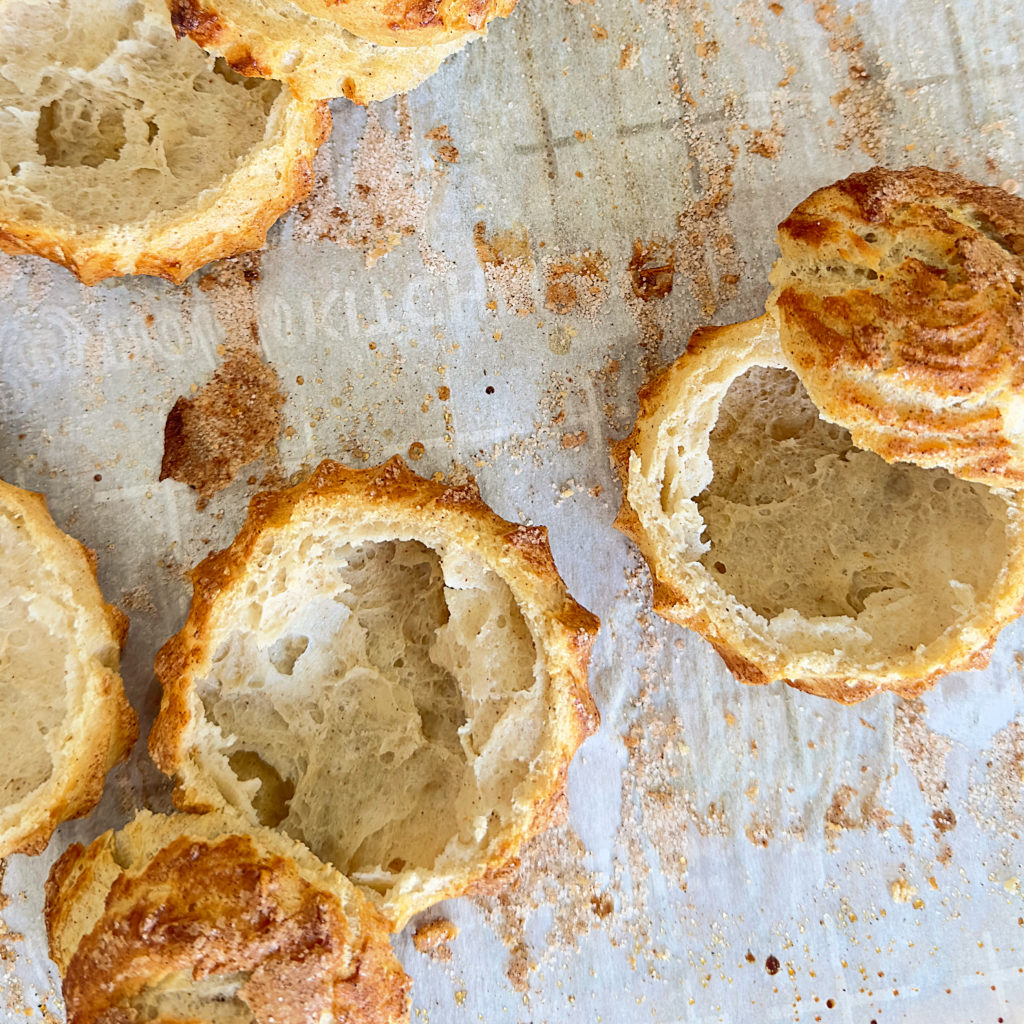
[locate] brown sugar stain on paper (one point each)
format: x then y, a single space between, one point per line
236 415
576 284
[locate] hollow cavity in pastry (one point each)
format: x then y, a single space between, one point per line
386 670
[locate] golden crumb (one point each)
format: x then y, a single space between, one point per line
902 891
432 938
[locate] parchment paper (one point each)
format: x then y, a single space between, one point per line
872 853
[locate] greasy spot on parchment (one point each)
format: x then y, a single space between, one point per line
652 269
236 414
506 259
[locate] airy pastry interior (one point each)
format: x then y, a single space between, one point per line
106 118
797 517
399 678
214 999
37 623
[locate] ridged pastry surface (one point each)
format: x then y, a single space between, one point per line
900 297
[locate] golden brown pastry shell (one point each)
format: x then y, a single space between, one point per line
687 594
173 247
409 504
186 898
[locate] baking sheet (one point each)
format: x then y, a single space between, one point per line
466 299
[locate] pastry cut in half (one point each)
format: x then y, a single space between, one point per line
900 297
196 918
364 50
386 670
799 555
124 150
64 718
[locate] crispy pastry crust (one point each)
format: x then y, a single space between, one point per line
392 496
104 728
308 47
899 300
680 407
189 899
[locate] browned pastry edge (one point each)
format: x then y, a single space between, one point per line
333 60
415 22
391 491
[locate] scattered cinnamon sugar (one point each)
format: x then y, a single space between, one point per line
236 414
233 418
862 104
943 820
446 152
654 746
506 259
137 599
607 380
767 142
577 284
839 817
706 239
924 751
550 872
996 791
386 202
433 937
760 830
10 984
